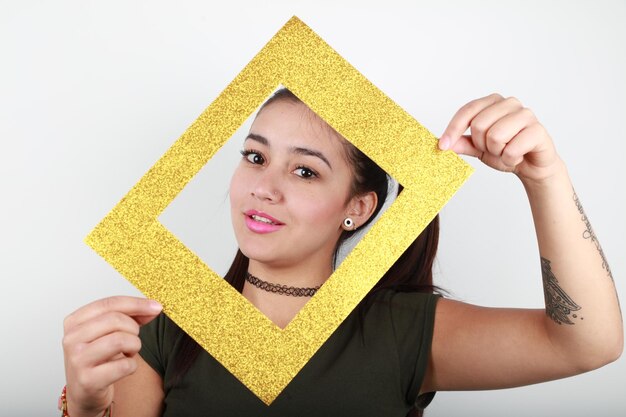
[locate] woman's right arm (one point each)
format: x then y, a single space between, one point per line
102 365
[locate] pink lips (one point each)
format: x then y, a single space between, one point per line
258 226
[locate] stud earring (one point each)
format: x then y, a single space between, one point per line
348 224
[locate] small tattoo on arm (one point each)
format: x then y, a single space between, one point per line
559 306
589 234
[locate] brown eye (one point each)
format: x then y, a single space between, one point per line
253 157
305 172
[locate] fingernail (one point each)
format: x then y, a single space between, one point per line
155 305
444 143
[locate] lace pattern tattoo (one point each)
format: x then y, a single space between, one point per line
589 234
559 306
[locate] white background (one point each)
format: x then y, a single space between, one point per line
93 93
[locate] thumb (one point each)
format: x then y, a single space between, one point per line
145 318
464 146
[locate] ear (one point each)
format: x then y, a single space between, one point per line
361 207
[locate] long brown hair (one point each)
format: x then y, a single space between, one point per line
412 272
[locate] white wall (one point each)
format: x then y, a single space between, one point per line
92 93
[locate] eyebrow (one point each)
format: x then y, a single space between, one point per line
297 150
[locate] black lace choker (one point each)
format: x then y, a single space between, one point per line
281 289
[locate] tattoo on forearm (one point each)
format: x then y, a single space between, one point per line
589 234
559 306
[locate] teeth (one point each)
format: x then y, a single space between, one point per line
261 219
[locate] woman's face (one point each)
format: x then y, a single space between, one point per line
288 195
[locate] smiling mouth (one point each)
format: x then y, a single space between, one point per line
262 219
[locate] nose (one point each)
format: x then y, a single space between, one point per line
267 186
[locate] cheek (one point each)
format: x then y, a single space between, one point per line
318 210
236 188
323 206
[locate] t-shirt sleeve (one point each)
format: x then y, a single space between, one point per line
152 337
413 318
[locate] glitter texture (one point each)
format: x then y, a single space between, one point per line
262 356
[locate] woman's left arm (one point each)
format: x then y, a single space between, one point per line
582 324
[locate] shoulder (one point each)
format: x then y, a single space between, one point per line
401 304
408 317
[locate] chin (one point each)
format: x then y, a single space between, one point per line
263 258
258 252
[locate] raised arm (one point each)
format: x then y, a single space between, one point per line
580 328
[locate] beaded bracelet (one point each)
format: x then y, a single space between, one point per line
63 405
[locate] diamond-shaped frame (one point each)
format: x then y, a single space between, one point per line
261 355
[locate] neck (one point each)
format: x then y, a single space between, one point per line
301 275
281 289
281 308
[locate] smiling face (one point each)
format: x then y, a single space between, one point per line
289 194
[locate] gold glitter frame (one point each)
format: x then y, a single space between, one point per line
261 355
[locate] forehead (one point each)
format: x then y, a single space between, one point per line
292 123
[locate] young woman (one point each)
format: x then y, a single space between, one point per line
298 193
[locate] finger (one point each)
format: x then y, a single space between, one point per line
505 129
102 376
83 358
116 370
488 117
461 120
525 142
131 306
110 322
106 349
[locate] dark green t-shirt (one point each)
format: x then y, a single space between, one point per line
372 367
